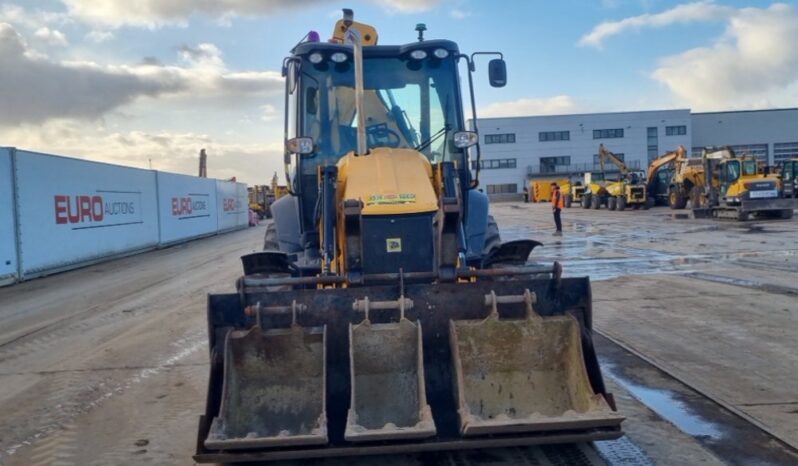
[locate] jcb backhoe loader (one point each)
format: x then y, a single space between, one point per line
386 316
740 189
628 190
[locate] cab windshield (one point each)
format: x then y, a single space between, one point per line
408 104
749 167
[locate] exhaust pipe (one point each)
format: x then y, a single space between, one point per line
353 38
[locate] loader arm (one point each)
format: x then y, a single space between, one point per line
678 155
605 155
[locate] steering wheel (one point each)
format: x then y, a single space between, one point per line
380 135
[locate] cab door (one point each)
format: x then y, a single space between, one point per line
788 178
729 174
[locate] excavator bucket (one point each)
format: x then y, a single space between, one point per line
274 389
523 375
340 372
387 372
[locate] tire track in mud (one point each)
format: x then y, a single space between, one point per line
73 402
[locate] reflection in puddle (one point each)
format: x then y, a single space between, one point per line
667 404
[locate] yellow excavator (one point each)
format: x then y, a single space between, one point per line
629 190
386 316
735 187
660 174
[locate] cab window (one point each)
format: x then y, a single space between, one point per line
749 167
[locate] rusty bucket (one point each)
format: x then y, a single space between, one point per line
523 375
274 389
388 397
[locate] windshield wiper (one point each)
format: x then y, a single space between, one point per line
432 138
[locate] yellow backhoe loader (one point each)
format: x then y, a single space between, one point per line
734 187
386 315
629 190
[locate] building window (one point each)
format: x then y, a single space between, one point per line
494 164
675 130
550 164
596 163
507 138
510 188
607 133
759 151
652 143
545 136
784 151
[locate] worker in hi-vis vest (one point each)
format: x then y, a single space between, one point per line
557 205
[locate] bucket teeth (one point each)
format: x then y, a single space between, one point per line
274 389
388 399
523 376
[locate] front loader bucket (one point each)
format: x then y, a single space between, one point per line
523 376
274 389
388 398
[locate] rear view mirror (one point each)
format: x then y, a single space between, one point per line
497 72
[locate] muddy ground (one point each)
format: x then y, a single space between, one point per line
108 364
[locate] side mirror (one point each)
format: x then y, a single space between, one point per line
465 139
497 72
301 146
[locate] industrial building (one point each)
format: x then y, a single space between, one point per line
517 149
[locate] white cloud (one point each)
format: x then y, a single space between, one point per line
14 14
98 37
561 104
681 14
753 65
174 152
37 88
51 36
156 13
459 14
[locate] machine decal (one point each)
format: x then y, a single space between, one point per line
393 244
384 199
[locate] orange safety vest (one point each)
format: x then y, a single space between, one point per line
556 200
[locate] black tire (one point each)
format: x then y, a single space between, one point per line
650 202
612 203
567 201
695 197
270 238
492 238
676 200
586 201
786 214
595 202
622 203
742 215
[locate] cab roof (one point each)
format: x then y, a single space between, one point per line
377 51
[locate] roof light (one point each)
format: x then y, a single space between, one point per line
418 54
441 53
338 57
315 58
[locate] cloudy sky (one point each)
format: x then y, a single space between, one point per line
136 82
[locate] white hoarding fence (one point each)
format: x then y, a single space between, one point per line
233 207
187 207
73 211
8 237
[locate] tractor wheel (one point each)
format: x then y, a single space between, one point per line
586 201
650 202
492 238
786 214
612 203
567 201
675 199
697 198
270 238
621 203
595 202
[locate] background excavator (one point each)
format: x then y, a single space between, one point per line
629 190
735 187
660 174
386 315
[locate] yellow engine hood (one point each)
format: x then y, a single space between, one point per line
388 181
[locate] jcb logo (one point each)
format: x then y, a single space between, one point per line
393 244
